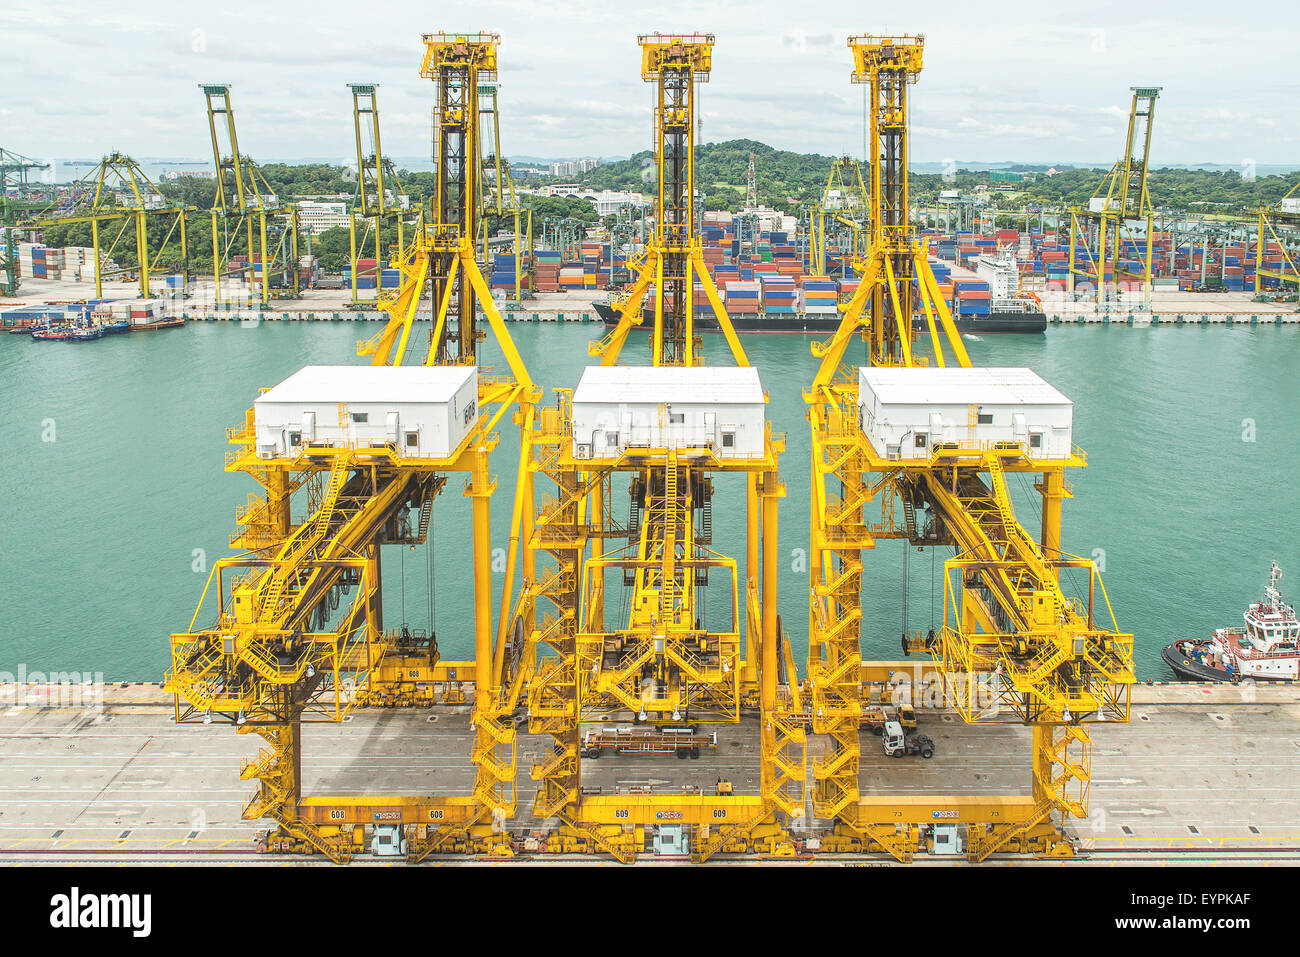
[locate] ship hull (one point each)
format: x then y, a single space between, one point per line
1024 323
801 323
1189 669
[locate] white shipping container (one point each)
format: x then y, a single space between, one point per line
616 408
424 411
907 412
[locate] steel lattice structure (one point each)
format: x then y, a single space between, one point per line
245 208
1122 198
1279 223
298 629
662 660
1007 624
379 191
840 221
279 649
117 196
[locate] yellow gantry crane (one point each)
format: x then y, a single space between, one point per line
246 213
659 659
499 197
672 261
297 630
842 214
380 200
298 627
1122 199
118 196
1014 647
1283 216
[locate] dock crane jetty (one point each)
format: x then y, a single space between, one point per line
1121 200
629 638
299 626
1013 647
663 429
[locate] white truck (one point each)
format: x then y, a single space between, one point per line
897 743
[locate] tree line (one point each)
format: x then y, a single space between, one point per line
785 180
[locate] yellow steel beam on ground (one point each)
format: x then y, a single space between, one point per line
390 809
668 808
944 809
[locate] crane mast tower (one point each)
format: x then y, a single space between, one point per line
1043 657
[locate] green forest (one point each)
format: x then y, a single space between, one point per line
785 180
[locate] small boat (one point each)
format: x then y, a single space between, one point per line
85 333
50 334
120 325
1266 649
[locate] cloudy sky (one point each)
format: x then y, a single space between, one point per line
1040 81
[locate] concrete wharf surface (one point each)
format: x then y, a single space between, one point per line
1201 774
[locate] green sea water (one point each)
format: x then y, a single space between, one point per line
114 503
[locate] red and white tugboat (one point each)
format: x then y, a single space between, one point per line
1267 649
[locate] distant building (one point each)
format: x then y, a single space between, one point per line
609 201
769 218
573 167
174 174
317 217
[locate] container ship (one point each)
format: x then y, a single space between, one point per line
745 322
1004 316
991 301
1267 648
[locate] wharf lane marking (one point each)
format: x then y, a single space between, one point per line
1144 811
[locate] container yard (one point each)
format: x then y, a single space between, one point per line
662 589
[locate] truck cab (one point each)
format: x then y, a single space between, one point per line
892 738
898 743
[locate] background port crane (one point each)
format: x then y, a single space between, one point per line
381 204
118 196
660 660
245 208
1098 233
1009 631
288 640
15 169
840 220
500 201
1278 225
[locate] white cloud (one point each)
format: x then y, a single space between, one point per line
1024 80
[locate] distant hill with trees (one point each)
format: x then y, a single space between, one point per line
786 180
